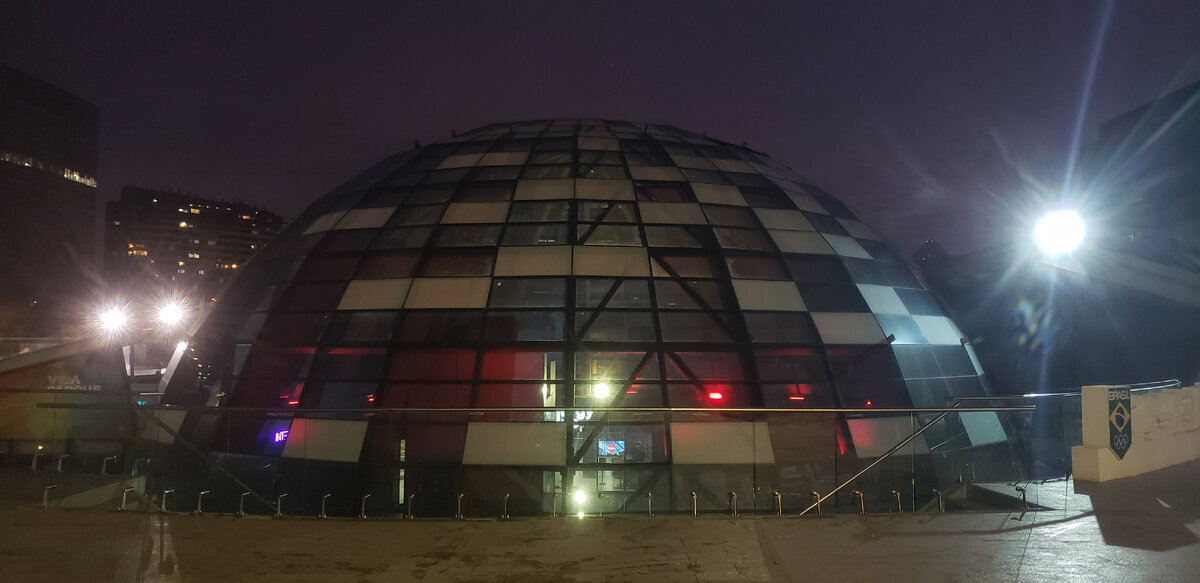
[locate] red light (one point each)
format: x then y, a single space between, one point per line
715 396
370 398
293 402
868 403
797 397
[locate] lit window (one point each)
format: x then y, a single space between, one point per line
183 224
195 211
193 255
181 264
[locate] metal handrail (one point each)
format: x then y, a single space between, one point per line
1133 388
210 409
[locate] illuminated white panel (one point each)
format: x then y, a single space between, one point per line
721 443
806 202
718 194
843 328
324 222
540 260
783 220
612 261
938 330
753 294
448 292
332 440
847 246
983 427
882 299
859 230
516 444
552 189
375 294
873 437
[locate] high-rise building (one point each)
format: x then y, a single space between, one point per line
50 224
161 242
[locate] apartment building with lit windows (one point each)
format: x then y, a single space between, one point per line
161 242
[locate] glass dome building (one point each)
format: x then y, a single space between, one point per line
462 318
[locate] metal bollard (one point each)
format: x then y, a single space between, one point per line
142 462
816 496
600 504
36 453
554 506
62 458
200 502
124 495
899 506
505 515
1024 502
941 504
279 505
862 504
164 498
323 499
46 495
695 508
733 504
242 503
778 503
104 464
650 504
459 514
410 508
362 511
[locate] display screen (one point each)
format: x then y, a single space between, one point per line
611 447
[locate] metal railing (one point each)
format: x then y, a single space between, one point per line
273 501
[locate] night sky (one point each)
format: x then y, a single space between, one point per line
931 119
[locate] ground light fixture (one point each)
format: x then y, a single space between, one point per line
1059 232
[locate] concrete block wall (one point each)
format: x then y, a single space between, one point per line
1166 431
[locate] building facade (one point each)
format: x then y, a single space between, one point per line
50 226
164 243
583 315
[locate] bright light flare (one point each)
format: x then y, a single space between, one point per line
1059 232
113 320
580 496
170 314
601 390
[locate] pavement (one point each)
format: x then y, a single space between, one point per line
1145 528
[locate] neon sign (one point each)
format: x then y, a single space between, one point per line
281 435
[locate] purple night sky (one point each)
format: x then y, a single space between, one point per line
931 119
